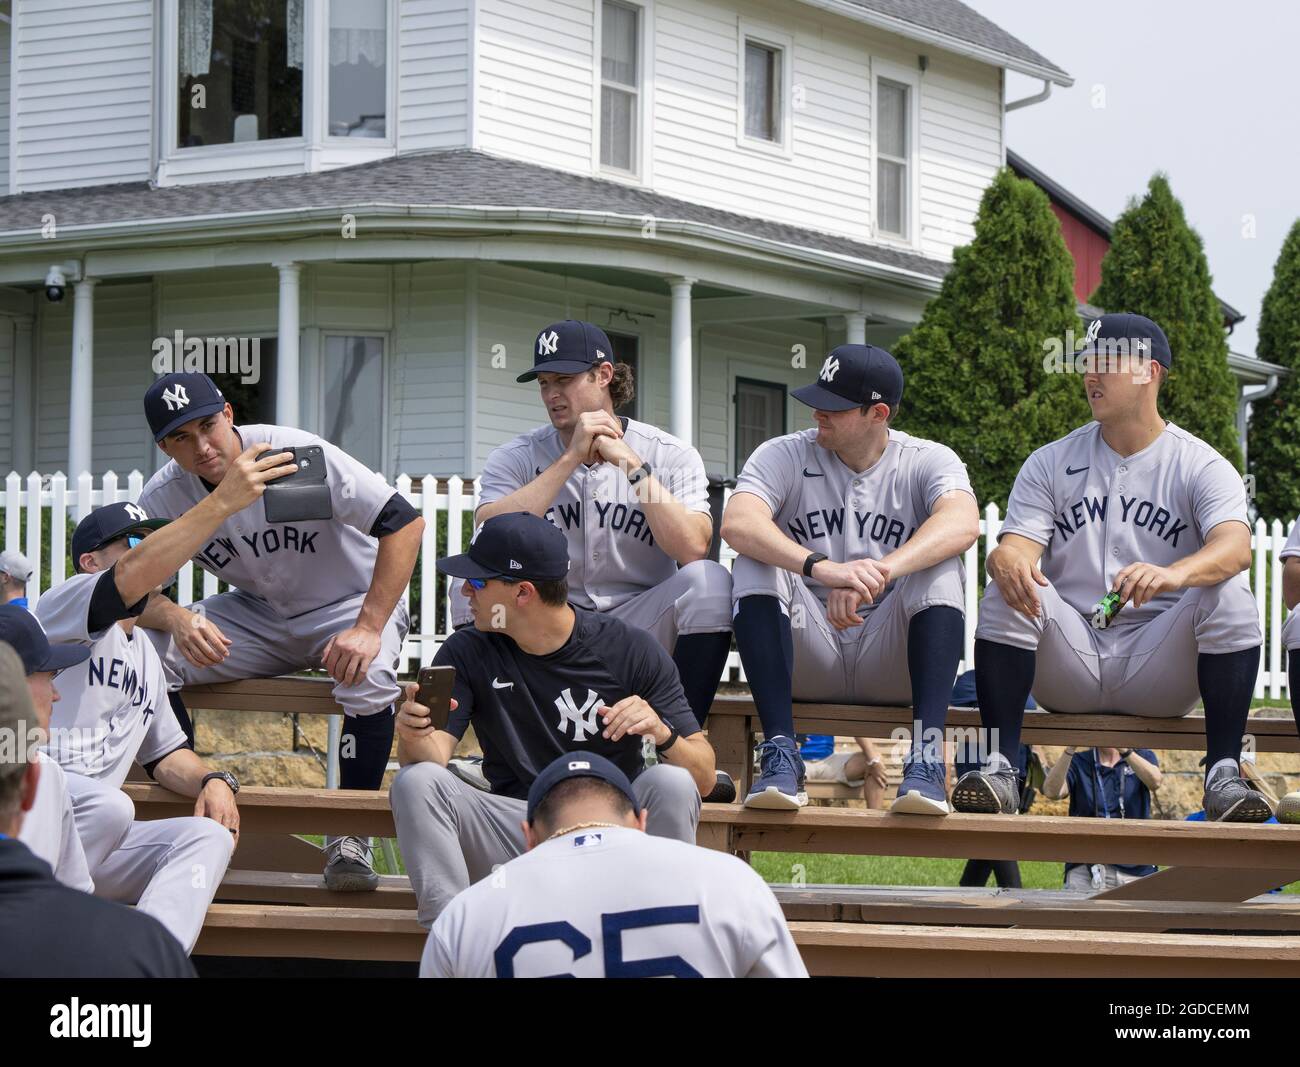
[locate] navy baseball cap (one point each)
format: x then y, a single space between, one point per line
108 524
520 546
18 627
175 399
1124 334
854 375
578 765
568 347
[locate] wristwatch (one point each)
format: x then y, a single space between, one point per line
1124 753
813 559
225 776
673 735
639 475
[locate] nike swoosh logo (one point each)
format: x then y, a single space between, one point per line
497 684
809 474
1071 470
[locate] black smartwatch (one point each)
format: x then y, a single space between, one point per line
813 559
639 475
225 776
1124 753
673 735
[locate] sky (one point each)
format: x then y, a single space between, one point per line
1209 93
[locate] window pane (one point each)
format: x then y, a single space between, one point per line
889 207
627 349
762 84
353 373
239 71
760 416
252 401
891 113
358 68
617 129
618 45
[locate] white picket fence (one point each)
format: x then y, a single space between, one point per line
433 495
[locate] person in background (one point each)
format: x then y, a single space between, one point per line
863 770
15 573
1105 783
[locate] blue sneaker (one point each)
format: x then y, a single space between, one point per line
780 786
923 790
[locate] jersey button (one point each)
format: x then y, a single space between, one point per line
1114 551
1122 470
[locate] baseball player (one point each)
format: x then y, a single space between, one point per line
114 709
321 592
849 582
15 571
597 897
49 828
535 677
1132 505
632 501
1288 809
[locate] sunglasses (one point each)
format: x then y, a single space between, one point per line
481 583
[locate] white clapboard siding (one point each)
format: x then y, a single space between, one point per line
83 99
534 87
5 68
7 398
433 74
219 302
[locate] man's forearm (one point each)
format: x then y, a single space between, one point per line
695 755
1148 774
161 613
182 772
394 565
942 536
1213 563
165 551
536 496
436 748
1291 583
1054 783
759 538
679 532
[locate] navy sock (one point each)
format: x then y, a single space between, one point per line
1004 675
182 715
1227 683
364 748
701 659
767 653
934 640
1293 677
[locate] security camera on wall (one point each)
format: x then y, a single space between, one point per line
55 284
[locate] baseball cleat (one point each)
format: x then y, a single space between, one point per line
348 868
1229 798
469 769
1288 808
724 790
923 790
781 785
987 793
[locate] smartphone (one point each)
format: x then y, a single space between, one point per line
435 693
302 496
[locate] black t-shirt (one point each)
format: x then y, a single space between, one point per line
529 710
48 930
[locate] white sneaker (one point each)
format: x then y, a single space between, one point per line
831 769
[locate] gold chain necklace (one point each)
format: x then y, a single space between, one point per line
582 826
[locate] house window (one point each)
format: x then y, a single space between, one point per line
239 71
762 92
352 379
760 415
358 68
893 152
620 81
627 349
253 402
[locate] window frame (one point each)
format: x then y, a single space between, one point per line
883 70
322 419
747 375
389 140
750 32
642 140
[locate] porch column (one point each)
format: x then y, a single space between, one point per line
24 460
286 353
80 414
682 375
855 328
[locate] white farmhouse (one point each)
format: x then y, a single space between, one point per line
393 196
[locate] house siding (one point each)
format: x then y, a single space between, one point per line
433 89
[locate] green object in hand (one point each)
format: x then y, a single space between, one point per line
1105 611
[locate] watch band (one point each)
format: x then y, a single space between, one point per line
639 475
225 776
1124 753
813 559
673 735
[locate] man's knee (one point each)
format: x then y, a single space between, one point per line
749 577
999 621
420 782
666 786
706 601
114 814
212 838
1226 616
942 585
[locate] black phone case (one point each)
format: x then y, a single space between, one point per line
302 496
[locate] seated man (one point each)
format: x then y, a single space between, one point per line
1132 505
536 678
633 503
849 583
48 929
1288 809
596 897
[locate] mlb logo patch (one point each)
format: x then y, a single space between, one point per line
588 840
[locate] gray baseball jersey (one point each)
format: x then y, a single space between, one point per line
613 553
824 506
1291 625
1096 511
1292 546
613 902
113 708
295 566
50 828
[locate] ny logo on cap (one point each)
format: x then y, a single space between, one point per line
477 530
583 718
829 369
175 397
547 343
1093 331
136 513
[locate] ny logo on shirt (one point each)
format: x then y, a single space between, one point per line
583 718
